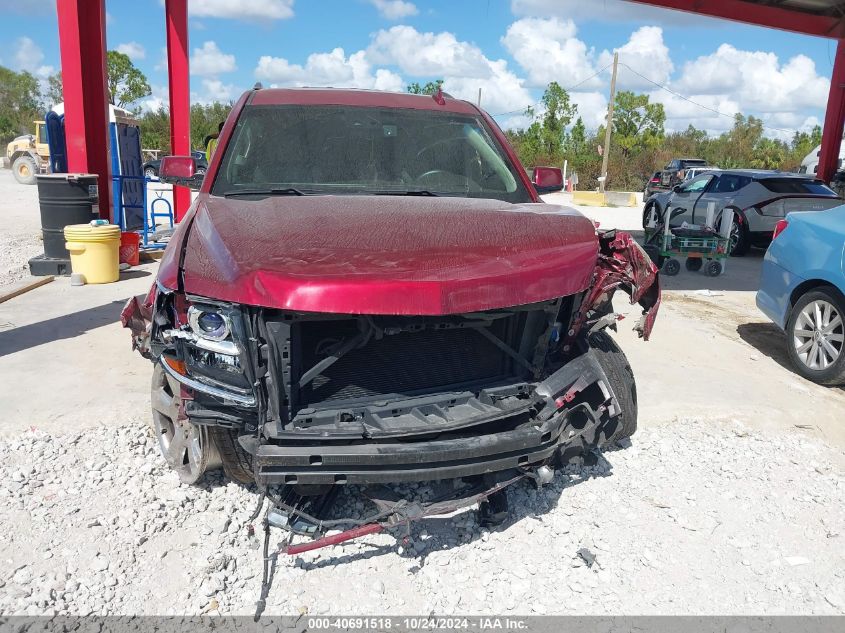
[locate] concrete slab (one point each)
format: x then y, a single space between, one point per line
65 360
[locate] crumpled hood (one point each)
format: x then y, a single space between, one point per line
403 255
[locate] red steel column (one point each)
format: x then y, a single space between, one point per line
176 12
834 118
82 44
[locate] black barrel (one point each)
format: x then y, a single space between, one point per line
65 199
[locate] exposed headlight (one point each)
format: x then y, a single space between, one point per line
208 324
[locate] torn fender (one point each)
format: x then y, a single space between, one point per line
622 263
137 316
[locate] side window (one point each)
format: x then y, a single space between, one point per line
42 133
729 183
697 185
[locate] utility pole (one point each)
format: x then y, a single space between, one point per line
609 124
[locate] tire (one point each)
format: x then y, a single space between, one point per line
800 348
740 242
693 264
237 463
188 449
615 365
25 169
713 268
671 267
150 172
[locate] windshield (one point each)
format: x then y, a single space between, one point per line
344 149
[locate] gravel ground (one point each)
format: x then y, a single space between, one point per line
691 518
20 236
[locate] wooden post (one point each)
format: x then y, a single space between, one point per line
609 124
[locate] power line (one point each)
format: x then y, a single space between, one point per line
695 103
568 89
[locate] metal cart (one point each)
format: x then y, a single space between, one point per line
704 248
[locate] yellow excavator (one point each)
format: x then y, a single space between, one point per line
29 154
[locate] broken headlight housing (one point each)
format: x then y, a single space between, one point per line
211 353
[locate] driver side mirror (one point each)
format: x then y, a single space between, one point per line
677 188
181 171
547 179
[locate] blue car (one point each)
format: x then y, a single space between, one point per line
803 291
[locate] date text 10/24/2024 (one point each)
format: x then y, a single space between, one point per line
408 623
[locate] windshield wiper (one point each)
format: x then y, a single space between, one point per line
412 192
287 191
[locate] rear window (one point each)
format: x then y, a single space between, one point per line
729 183
693 163
796 185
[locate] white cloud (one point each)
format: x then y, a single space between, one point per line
548 50
157 99
756 79
462 65
592 108
210 60
333 69
215 90
250 10
395 9
426 54
645 53
132 49
27 55
608 11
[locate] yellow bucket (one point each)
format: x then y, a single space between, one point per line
94 251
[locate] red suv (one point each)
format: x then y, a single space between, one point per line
369 289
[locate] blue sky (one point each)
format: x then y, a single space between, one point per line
509 48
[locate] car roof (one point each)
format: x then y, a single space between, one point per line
357 97
763 174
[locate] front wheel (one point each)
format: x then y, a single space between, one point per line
25 169
618 371
187 448
816 336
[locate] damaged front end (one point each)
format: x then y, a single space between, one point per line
314 400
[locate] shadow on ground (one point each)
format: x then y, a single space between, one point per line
65 326
769 339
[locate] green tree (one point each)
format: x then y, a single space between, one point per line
126 84
429 88
155 130
637 124
577 137
556 116
54 93
20 103
769 153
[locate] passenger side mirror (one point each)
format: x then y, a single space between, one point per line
547 179
180 170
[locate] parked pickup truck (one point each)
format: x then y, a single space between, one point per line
368 289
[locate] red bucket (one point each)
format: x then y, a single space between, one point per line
130 251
